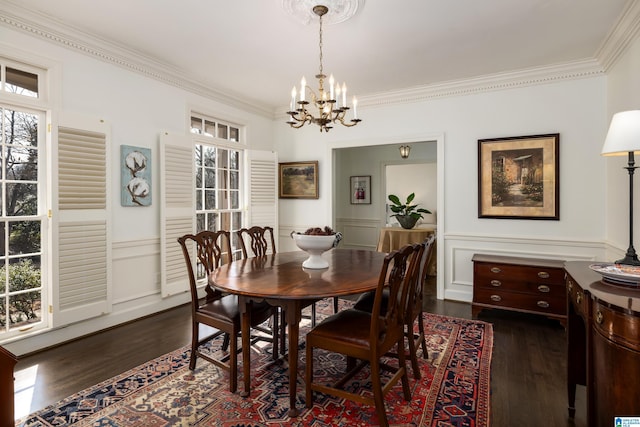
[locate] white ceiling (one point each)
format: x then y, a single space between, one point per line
254 50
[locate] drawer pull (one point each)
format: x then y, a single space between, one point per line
570 285
496 283
496 270
544 289
579 298
599 317
496 298
543 275
543 304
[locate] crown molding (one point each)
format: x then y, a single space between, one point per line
488 83
88 44
623 33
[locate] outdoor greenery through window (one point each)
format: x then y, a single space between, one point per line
20 225
218 177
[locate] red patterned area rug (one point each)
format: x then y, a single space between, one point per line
453 391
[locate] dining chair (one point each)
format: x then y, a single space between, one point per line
365 337
261 241
216 309
413 310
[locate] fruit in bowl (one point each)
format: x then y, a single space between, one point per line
315 241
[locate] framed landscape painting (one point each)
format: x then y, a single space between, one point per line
519 177
298 180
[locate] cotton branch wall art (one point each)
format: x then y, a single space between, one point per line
136 176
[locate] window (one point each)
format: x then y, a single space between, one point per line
24 297
20 225
219 202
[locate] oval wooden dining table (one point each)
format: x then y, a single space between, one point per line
281 280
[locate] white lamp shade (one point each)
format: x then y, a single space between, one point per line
623 135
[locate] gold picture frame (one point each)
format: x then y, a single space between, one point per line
519 177
298 180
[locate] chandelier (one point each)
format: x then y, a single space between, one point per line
330 103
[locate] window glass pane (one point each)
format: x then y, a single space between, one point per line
237 220
3 238
223 199
223 158
21 82
200 222
199 178
224 179
196 125
199 200
210 199
21 128
234 184
24 309
212 219
21 163
225 221
234 161
210 178
22 199
234 134
222 131
209 156
24 237
209 128
198 155
235 199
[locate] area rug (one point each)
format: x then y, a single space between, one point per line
453 390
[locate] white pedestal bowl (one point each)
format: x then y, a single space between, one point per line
315 246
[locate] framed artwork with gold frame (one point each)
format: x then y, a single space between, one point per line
298 180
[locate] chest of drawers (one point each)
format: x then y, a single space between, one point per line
526 285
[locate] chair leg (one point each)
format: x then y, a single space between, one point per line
233 362
378 397
425 353
335 305
402 364
275 336
313 315
412 352
194 345
225 342
308 377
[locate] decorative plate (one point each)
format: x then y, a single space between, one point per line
628 275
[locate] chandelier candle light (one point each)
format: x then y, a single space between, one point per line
331 104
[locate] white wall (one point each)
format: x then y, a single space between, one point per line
576 109
137 109
623 93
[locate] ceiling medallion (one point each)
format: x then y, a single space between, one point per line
339 10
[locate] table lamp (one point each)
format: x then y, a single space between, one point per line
624 138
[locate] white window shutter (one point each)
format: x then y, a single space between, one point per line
177 217
81 229
262 189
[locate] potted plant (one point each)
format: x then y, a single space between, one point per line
406 213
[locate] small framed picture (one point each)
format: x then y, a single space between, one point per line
519 177
360 188
298 180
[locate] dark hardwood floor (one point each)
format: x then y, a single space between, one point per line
528 372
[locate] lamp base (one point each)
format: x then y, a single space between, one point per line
629 259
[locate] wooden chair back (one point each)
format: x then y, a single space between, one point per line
260 240
212 249
394 284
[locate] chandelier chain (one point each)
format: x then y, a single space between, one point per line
320 46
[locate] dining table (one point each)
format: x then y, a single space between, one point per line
280 280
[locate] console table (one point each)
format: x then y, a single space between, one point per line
603 345
7 363
527 285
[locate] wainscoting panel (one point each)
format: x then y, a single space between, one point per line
358 233
459 250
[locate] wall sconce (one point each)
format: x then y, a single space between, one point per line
404 151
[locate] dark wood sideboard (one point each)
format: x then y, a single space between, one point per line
528 285
603 345
7 363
